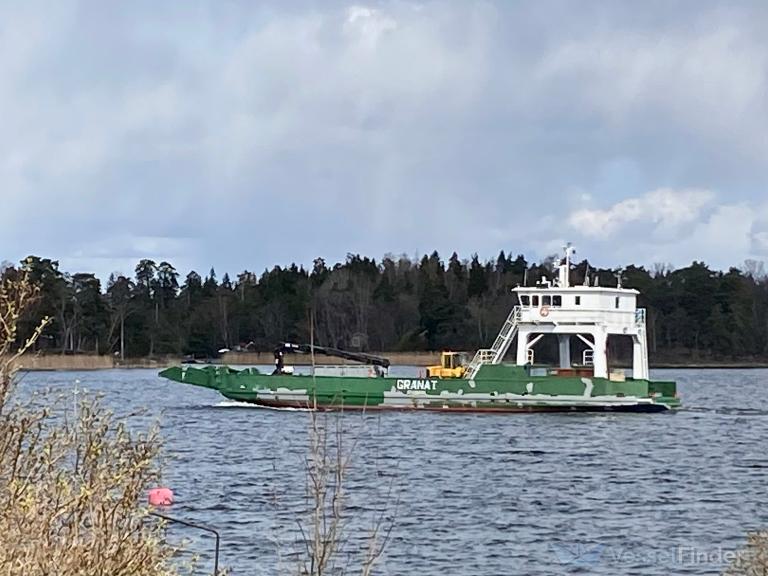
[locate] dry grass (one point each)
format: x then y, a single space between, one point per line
59 362
31 361
752 560
71 488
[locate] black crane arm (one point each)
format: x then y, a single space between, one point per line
361 357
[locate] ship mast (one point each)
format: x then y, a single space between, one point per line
564 275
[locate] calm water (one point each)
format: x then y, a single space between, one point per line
476 494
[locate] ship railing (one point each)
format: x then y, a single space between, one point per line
507 332
482 356
495 353
486 355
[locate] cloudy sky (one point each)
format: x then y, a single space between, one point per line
242 135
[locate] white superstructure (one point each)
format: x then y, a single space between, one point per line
590 313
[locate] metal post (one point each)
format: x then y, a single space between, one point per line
199 527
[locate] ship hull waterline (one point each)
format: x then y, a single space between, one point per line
503 390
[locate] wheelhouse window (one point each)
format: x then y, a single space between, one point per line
535 301
546 300
557 300
525 300
578 301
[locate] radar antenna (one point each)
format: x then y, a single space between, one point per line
618 277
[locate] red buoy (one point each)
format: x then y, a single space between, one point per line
160 497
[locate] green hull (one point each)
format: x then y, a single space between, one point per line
495 388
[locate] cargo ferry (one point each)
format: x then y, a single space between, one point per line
588 313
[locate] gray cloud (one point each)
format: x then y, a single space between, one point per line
242 135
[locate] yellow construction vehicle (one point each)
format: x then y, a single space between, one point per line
452 365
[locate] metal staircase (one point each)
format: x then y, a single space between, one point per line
495 354
641 334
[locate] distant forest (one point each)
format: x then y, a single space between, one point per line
363 304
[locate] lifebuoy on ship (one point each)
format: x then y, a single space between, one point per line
544 311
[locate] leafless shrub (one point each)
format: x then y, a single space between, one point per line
71 488
325 534
16 295
752 560
325 530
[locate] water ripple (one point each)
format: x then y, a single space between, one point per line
481 494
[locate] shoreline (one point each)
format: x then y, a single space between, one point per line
40 363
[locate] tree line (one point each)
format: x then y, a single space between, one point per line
397 303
